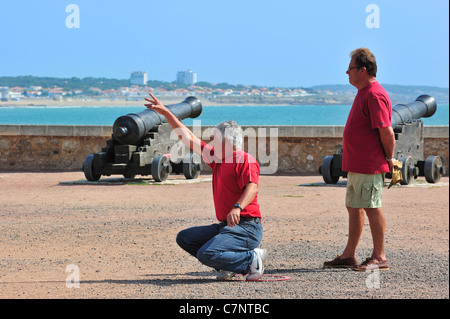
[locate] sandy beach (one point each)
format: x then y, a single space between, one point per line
120 238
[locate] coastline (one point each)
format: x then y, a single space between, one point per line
206 102
81 102
91 102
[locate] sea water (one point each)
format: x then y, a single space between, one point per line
211 115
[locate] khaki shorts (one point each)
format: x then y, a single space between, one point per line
364 190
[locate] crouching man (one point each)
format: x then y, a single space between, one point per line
229 246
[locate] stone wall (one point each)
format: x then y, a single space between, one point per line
301 149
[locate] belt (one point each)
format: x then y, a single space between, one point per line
251 219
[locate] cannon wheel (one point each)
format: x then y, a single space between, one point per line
327 171
192 165
405 170
433 169
161 168
87 169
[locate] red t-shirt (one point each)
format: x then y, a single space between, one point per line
230 176
362 149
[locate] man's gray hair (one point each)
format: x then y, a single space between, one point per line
232 131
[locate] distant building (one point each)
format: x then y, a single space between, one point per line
4 93
15 93
188 77
139 78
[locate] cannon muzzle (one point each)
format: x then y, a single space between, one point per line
423 106
131 128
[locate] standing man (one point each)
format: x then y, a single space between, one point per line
368 153
230 246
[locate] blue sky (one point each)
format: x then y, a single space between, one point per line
285 43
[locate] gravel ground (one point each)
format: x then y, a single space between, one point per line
120 239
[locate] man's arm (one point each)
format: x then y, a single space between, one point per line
184 134
250 192
387 137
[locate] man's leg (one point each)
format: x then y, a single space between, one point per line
377 223
355 229
232 249
366 191
355 226
192 239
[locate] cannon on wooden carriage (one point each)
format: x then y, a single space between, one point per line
141 144
408 129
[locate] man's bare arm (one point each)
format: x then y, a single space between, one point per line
184 134
250 192
387 137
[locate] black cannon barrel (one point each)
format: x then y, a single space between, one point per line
131 128
423 106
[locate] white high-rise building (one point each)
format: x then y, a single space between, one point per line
139 78
4 93
188 77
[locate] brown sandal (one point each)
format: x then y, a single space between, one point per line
372 264
339 262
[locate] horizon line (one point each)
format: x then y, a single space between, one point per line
255 85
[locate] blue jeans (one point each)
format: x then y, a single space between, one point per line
222 247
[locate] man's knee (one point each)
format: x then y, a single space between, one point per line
206 256
179 238
375 214
183 241
203 256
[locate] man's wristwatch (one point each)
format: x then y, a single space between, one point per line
238 206
390 159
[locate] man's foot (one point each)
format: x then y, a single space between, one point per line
372 264
225 275
339 262
257 266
